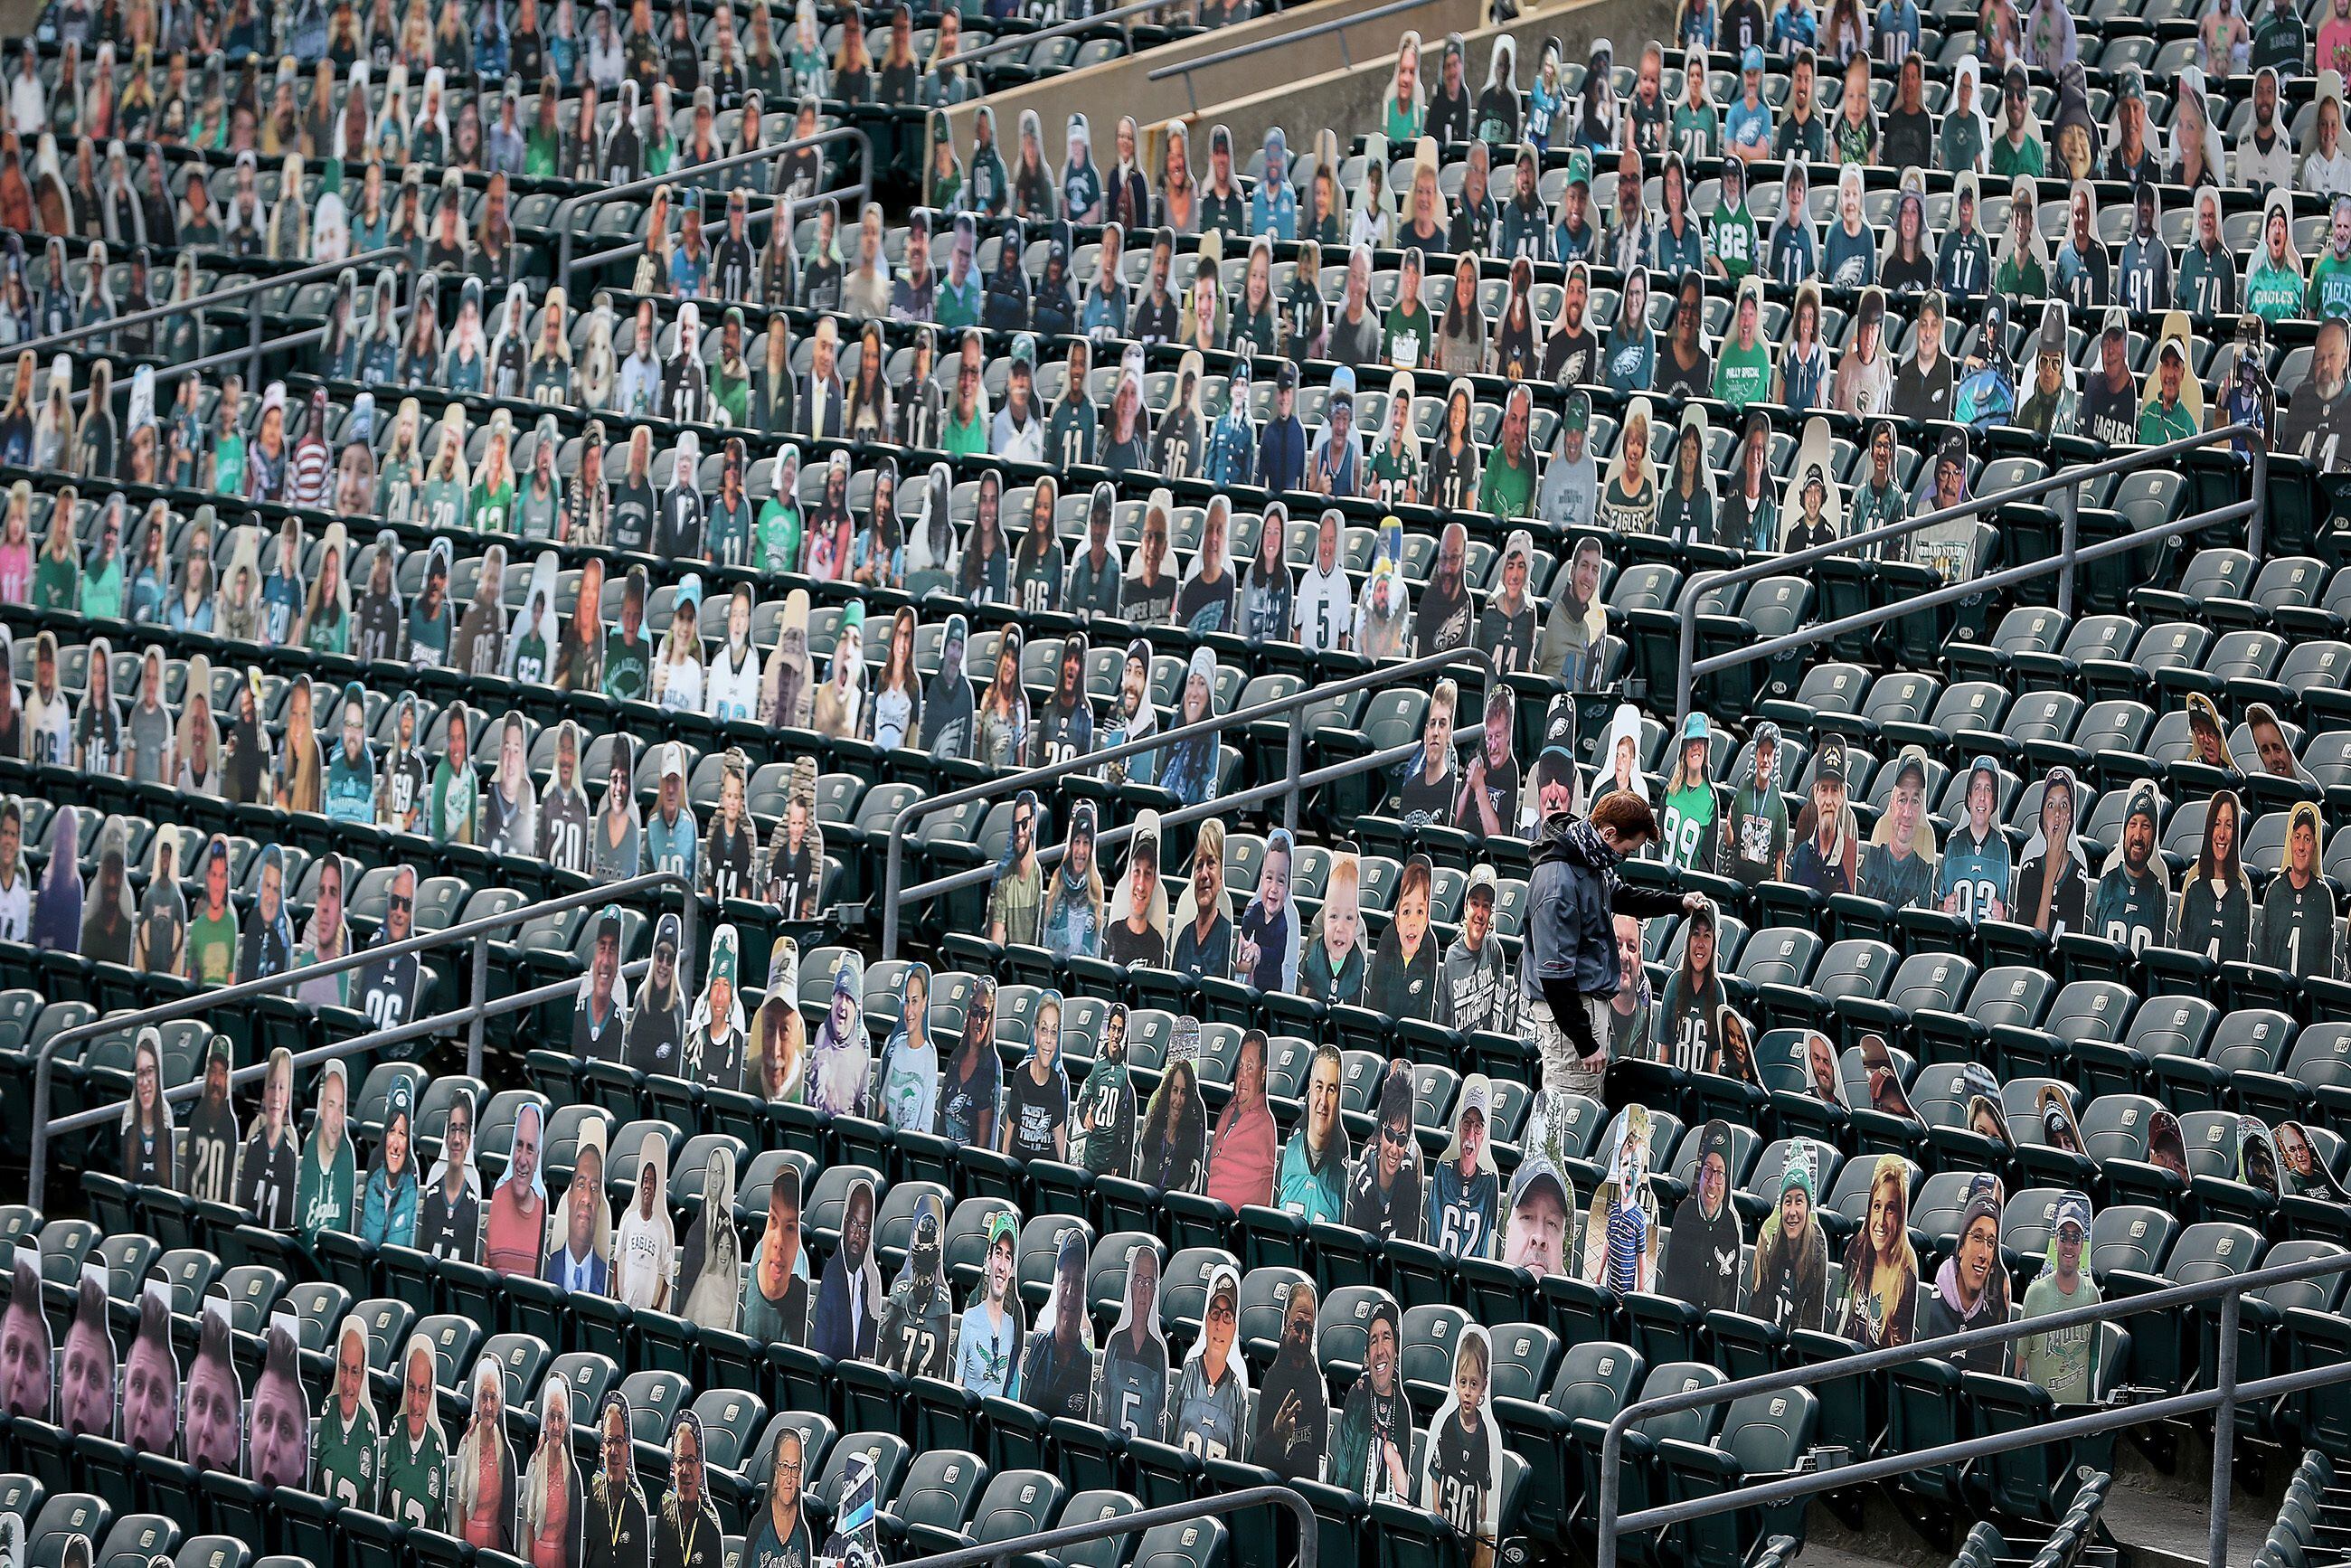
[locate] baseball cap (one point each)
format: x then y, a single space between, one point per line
1481 880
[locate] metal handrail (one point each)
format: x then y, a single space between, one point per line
2224 1395
1689 667
315 272
1338 25
995 1554
568 208
1112 838
1057 30
1216 724
478 931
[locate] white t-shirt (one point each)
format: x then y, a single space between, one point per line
1326 609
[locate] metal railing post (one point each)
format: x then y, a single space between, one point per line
2069 517
253 351
480 994
1684 679
2224 1429
1293 764
1612 1482
2258 529
904 819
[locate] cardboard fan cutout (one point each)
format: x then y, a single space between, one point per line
989 1334
716 1042
1886 1095
789 688
148 1125
917 1319
600 1015
1333 969
580 1229
1620 1241
1208 1409
1384 1196
1103 1117
1971 1288
657 1019
973 1075
514 1235
1170 1144
1243 1150
1898 866
1464 1191
1293 1409
277 1437
1036 1121
687 1532
1879 1307
554 1507
777 1055
2303 1169
1973 877
1266 940
213 1422
268 1168
1734 1056
2052 883
645 1244
1461 1477
1702 1252
2134 888
1312 1180
449 1215
2066 1362
151 1377
1789 1282
1131 1393
415 1450
710 1267
26 1357
848 1306
840 1056
910 1060
1372 1453
776 1287
347 1449
1057 1368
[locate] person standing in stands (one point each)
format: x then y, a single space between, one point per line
1567 970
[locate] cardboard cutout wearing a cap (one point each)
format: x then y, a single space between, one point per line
949 705
715 1040
993 1329
1971 1288
1788 1284
1057 1365
600 1011
2064 1362
840 1053
1208 1412
1372 1451
2131 899
1703 1252
2216 896
1898 868
657 1018
1464 1191
776 1056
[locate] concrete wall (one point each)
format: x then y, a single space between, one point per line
1334 80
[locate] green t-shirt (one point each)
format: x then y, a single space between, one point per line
776 538
1505 491
492 509
2330 287
1742 376
2063 1363
628 666
1408 336
2158 424
2273 293
2009 160
212 947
